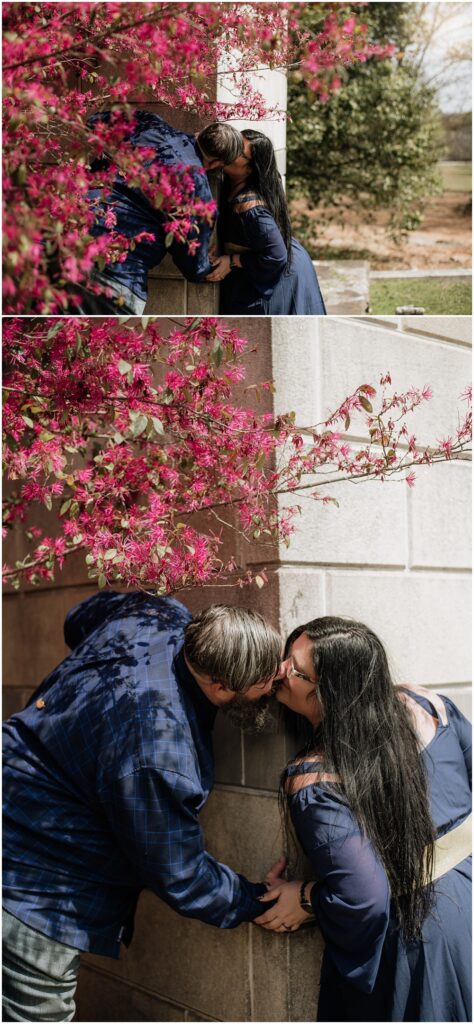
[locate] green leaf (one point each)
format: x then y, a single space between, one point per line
28 421
90 559
48 502
77 538
54 330
140 424
110 553
169 239
260 582
365 403
157 424
347 423
66 505
123 366
102 580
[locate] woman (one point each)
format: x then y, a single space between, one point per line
263 270
385 772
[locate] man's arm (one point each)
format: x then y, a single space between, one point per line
152 813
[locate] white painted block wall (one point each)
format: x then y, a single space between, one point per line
394 557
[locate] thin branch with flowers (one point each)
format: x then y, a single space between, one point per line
136 444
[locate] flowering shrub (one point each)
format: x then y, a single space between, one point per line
124 435
65 61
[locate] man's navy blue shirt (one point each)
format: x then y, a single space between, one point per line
134 213
105 772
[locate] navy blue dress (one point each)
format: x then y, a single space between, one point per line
264 286
370 972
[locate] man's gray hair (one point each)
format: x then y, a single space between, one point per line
221 141
233 646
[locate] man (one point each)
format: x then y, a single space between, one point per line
105 773
214 146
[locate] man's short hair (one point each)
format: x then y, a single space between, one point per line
233 646
221 141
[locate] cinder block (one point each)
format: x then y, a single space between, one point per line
440 517
368 527
264 759
186 962
269 969
165 296
202 299
227 743
306 948
302 596
355 353
295 353
242 829
103 998
449 328
423 619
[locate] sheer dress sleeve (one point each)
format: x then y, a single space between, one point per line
351 899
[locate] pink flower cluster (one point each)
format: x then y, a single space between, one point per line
145 459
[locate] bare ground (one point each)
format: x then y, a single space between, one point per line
443 241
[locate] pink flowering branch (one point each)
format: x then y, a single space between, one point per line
139 450
66 61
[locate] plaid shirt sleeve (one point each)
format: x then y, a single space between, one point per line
154 817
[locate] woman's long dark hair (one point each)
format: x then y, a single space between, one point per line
266 181
367 738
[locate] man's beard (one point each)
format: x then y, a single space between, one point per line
253 716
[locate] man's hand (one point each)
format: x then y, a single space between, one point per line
221 268
287 915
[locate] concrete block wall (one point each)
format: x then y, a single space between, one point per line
394 557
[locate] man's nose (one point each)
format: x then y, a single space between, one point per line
283 670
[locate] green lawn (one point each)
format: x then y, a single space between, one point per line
448 298
456 176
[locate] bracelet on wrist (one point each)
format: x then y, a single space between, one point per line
305 903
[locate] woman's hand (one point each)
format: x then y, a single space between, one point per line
273 875
287 914
221 268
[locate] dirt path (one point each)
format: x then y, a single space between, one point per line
442 242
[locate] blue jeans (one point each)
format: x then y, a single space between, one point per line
39 974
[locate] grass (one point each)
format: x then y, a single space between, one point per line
438 298
456 176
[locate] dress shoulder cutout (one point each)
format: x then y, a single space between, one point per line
307 771
246 201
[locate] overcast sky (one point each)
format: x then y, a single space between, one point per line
454 33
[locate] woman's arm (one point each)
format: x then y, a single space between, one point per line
351 897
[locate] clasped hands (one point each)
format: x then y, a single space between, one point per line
287 915
220 266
